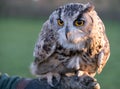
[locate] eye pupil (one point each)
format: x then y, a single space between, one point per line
79 23
60 22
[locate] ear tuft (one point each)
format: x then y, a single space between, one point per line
89 7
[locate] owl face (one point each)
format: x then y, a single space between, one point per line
72 24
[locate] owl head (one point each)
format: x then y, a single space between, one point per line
72 23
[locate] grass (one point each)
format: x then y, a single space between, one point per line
109 78
17 38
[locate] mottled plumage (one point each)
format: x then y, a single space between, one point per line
72 41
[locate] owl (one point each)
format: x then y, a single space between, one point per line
71 42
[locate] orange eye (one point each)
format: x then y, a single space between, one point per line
79 23
60 22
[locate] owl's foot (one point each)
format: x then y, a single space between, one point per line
81 73
49 77
57 77
89 82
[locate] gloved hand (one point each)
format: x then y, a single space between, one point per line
73 82
83 82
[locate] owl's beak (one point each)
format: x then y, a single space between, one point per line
67 32
74 36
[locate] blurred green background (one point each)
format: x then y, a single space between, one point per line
20 23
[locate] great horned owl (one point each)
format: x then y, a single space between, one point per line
72 41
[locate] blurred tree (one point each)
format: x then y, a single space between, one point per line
36 8
1 5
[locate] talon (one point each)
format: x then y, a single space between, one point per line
57 77
80 73
49 79
96 86
50 83
49 76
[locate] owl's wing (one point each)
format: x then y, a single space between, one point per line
99 43
46 43
103 56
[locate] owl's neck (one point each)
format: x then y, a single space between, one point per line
71 47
